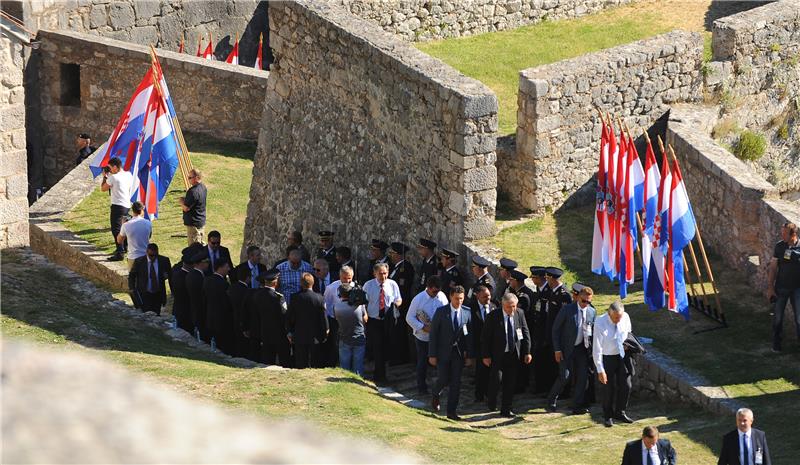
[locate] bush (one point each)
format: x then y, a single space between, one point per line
751 146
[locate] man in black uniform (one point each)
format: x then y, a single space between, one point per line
344 257
555 297
180 297
377 254
238 293
266 312
506 267
219 318
537 323
328 251
85 148
429 266
480 270
451 274
403 274
194 287
295 239
525 297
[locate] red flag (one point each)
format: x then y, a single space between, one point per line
208 54
180 47
599 238
199 46
259 62
233 57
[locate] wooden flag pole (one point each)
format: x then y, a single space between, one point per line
638 220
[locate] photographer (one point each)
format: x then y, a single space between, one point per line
784 281
119 182
352 317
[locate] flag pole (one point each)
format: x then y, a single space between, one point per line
641 230
704 256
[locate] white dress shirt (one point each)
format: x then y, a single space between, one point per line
748 438
424 303
653 454
483 310
391 296
331 296
608 338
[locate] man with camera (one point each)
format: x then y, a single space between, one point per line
120 183
784 281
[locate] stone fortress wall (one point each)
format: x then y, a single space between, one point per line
436 19
367 136
210 97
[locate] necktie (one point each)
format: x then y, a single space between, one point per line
745 450
509 334
253 276
620 345
381 303
153 285
649 457
455 321
483 313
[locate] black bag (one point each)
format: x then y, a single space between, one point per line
633 346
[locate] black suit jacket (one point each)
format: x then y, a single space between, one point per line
224 255
266 316
197 305
330 257
730 447
261 268
443 338
218 308
180 298
137 278
478 323
427 268
494 335
306 319
403 275
238 293
633 453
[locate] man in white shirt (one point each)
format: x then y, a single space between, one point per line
120 183
613 368
419 316
650 450
383 295
137 232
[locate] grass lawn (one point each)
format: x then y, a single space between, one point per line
737 358
66 319
227 168
497 58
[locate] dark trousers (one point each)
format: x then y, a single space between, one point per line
618 390
151 302
329 350
481 379
271 352
118 213
785 296
302 355
449 375
376 340
503 370
576 367
545 368
422 365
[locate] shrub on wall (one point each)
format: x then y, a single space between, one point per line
751 146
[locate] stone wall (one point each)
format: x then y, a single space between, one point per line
754 47
558 128
210 97
739 212
436 19
13 166
157 22
369 137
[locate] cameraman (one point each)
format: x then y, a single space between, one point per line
119 182
352 317
784 281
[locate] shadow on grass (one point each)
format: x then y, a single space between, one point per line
343 379
203 143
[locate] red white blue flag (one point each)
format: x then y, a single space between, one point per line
681 232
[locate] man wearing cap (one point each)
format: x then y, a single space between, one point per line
146 280
83 143
266 313
481 306
572 335
238 293
344 257
295 238
506 267
252 263
451 274
218 253
383 297
180 295
328 251
219 317
429 266
194 287
291 271
537 324
525 297
419 316
403 274
555 296
377 254
480 270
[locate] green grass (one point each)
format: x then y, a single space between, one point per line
497 58
736 358
64 319
227 168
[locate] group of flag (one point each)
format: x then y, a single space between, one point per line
146 140
233 57
624 190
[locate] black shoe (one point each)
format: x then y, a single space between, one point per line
435 403
623 417
507 414
550 408
608 423
453 416
580 411
492 407
116 258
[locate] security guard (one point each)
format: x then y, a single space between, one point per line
480 269
377 254
506 267
429 266
554 296
266 314
399 332
451 274
525 296
327 251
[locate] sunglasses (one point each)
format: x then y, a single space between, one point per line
317 269
584 301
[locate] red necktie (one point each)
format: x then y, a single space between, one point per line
381 303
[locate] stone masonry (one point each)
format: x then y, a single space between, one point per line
437 19
369 137
558 127
209 96
13 166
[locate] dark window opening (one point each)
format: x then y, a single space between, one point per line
70 85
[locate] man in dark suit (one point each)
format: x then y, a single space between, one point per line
237 295
507 265
429 266
480 270
344 257
328 251
376 254
266 313
219 317
147 278
650 450
253 263
180 297
194 288
481 306
745 445
217 253
403 274
506 343
451 349
306 324
553 297
526 296
571 335
536 325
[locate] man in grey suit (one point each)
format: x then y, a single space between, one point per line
572 333
745 445
450 349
